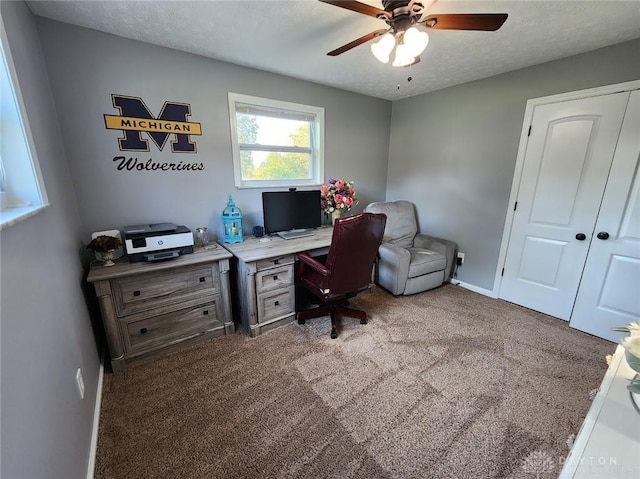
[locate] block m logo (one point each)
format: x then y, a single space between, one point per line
135 119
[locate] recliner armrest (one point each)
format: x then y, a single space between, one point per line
397 254
313 264
439 245
393 267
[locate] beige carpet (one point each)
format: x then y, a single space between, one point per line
447 383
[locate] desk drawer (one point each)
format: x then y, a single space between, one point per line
142 292
274 278
277 303
159 331
273 262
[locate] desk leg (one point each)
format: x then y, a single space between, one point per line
299 297
225 291
111 325
251 300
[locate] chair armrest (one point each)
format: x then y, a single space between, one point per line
393 267
439 245
313 264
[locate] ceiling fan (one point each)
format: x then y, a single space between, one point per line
403 18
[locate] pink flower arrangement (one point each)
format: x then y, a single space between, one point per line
337 195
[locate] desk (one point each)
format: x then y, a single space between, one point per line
149 309
265 277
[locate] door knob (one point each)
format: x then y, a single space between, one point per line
603 235
581 236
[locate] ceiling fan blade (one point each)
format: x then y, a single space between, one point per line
356 7
465 21
355 43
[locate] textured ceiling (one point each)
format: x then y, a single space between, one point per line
292 37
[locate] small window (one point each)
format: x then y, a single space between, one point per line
276 143
22 191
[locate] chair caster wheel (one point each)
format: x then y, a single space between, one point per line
334 335
363 321
301 321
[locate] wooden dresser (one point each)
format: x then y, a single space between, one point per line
150 309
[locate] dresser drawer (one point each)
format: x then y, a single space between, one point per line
274 278
275 304
160 331
273 262
142 292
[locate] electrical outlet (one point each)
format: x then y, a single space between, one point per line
80 382
460 259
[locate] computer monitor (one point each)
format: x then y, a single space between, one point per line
291 210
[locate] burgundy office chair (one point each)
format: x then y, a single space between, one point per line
347 269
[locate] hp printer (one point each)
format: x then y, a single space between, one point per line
157 242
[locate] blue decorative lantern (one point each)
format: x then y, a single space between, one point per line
231 223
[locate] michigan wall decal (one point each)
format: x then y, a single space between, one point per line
139 125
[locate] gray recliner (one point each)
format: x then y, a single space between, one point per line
410 262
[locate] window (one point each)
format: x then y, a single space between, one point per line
276 143
22 191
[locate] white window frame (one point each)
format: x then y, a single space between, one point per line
23 193
316 146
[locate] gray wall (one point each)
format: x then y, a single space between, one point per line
45 328
86 67
453 151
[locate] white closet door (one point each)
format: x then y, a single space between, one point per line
568 157
609 292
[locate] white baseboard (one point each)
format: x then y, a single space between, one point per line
93 451
475 289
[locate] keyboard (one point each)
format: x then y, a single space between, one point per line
295 234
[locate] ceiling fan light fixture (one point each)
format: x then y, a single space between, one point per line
403 56
406 22
382 48
415 40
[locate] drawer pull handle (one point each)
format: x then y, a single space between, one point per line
205 312
277 303
202 280
136 293
143 331
275 277
276 261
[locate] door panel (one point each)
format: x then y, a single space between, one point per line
609 293
630 225
568 157
614 299
562 167
540 260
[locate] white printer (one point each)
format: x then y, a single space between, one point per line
157 242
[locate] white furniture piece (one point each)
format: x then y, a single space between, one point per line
264 271
150 309
608 444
